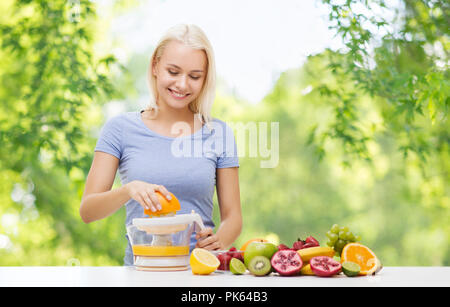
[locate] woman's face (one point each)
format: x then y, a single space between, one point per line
180 74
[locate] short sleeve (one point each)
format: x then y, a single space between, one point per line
229 156
110 139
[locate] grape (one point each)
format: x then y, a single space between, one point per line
335 228
333 238
340 245
329 234
344 228
338 237
350 236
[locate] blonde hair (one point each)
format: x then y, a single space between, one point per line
192 36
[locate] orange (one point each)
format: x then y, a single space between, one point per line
203 262
250 241
361 255
167 206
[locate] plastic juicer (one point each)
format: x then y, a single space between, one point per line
161 242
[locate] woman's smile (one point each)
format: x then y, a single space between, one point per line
177 95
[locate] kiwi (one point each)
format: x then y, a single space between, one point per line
260 266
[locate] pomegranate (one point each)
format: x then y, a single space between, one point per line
287 262
325 266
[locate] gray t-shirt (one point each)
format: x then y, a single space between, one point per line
186 166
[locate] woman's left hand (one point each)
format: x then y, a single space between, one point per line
207 239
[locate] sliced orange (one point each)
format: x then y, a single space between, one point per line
250 241
203 262
167 206
361 255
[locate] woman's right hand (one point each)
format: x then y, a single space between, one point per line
144 194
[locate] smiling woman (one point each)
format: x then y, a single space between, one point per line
183 66
140 146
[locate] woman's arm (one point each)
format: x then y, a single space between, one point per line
228 196
99 201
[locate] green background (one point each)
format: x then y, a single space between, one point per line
363 135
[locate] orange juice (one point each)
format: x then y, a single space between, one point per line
149 250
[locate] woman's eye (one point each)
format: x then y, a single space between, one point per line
174 73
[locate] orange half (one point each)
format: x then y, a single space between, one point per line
362 255
167 206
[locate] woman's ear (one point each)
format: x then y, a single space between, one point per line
154 68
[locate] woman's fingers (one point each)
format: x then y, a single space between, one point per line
144 201
144 194
155 201
211 243
204 233
207 239
163 191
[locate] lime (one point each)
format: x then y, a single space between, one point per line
350 269
237 267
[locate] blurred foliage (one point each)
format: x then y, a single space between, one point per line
52 87
398 54
363 134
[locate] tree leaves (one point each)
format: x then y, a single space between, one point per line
400 74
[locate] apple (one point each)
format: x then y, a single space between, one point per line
265 249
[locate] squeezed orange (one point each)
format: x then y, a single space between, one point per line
161 250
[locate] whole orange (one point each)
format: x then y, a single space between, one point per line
167 206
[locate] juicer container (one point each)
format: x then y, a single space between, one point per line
162 243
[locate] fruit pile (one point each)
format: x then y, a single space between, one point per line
305 257
225 258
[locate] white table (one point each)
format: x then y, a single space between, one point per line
128 276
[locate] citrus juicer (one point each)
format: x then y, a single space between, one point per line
160 242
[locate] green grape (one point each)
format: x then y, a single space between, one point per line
329 234
350 236
335 228
344 228
330 244
333 238
339 245
357 238
341 235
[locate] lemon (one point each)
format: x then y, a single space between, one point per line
203 262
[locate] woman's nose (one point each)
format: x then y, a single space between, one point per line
181 83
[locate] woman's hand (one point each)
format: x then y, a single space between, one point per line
144 194
208 240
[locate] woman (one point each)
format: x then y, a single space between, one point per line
173 146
